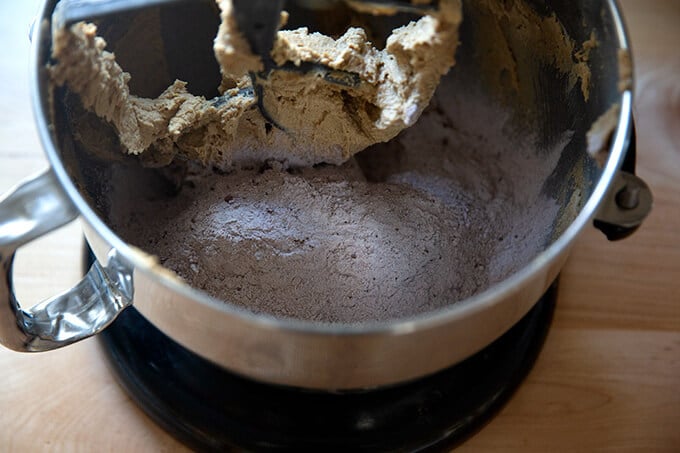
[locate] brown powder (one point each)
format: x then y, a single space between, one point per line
322 245
405 228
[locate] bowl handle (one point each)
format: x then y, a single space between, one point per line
30 210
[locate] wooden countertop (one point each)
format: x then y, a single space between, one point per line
608 378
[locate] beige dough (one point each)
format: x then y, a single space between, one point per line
600 133
315 121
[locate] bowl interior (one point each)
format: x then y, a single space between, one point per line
501 151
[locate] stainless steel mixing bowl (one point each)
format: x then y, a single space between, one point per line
337 356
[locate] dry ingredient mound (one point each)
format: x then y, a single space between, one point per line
322 244
404 228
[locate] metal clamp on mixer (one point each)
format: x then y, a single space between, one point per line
628 202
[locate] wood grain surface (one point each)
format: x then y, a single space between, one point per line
608 378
